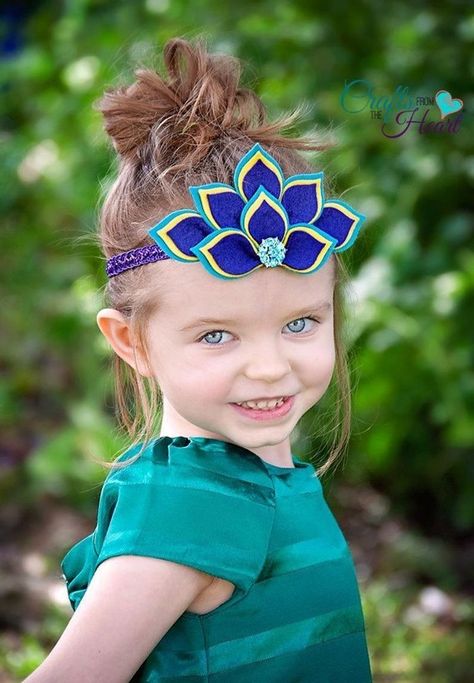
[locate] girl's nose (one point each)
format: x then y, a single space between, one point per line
266 362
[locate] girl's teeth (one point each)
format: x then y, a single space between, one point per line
262 405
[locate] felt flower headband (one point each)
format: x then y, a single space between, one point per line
264 220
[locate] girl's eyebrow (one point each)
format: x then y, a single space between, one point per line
318 306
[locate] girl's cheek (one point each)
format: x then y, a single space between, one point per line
327 362
318 365
205 379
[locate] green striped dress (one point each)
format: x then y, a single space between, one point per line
295 615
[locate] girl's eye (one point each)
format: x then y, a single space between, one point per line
298 320
210 334
221 332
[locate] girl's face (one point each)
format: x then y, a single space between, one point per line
258 341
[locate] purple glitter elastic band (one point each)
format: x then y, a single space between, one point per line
134 258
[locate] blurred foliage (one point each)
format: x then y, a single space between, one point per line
411 307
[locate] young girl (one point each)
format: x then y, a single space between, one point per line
215 556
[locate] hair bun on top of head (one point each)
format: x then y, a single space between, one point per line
198 102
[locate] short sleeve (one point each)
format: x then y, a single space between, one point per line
78 566
175 505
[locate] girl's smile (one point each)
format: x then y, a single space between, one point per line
281 410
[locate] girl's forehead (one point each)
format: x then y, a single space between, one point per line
188 286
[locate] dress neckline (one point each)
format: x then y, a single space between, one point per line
299 465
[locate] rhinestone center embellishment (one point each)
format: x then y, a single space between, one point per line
271 252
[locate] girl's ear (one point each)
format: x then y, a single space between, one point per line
116 330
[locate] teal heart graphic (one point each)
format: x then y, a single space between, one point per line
446 103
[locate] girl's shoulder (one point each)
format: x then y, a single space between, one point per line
184 461
190 501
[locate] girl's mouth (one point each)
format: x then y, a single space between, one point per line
269 413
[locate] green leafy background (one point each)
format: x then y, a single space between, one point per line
405 495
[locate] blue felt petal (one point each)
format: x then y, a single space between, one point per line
303 197
227 253
307 248
178 232
219 204
257 167
264 216
341 221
